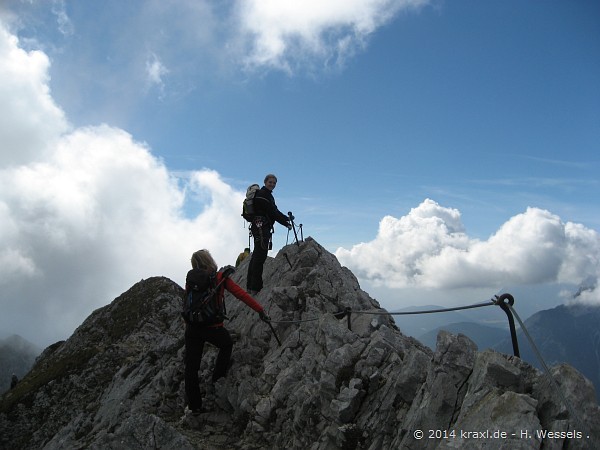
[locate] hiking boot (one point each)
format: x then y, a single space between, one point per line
193 418
190 419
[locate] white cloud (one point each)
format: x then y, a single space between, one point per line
98 215
588 297
194 42
65 26
429 248
31 122
155 71
87 212
283 33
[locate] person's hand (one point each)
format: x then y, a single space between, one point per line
263 316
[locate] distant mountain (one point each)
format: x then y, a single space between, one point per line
483 335
567 333
425 327
17 356
418 324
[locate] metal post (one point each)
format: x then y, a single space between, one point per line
511 321
347 312
349 315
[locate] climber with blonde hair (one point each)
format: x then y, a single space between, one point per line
203 313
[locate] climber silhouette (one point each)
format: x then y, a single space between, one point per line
197 333
266 214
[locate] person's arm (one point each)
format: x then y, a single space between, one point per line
242 295
281 218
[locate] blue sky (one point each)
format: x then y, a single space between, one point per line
419 141
489 107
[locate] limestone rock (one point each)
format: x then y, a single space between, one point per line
344 377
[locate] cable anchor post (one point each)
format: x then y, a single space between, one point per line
349 315
500 301
347 312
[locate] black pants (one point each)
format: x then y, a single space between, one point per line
195 337
262 239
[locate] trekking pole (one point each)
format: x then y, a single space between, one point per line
301 233
288 259
291 216
274 334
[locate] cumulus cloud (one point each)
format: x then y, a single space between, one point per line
430 248
87 212
281 34
31 122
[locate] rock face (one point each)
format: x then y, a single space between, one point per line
117 382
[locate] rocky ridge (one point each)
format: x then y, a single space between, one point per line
117 382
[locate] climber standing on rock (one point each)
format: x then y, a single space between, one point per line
265 216
14 381
203 313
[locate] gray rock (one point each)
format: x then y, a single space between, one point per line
344 377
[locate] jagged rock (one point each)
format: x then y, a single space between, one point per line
341 378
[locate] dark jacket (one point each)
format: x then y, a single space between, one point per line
201 277
264 206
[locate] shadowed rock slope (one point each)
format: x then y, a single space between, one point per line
117 382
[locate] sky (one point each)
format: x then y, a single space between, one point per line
444 151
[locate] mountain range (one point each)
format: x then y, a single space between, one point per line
564 334
483 335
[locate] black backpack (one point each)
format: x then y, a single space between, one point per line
248 211
204 303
